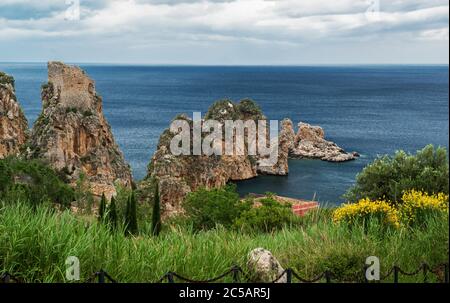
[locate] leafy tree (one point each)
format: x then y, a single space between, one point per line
207 208
131 225
389 176
156 215
102 208
112 214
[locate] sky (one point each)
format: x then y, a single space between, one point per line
225 32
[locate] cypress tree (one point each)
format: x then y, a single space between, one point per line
102 208
112 214
131 225
156 215
126 217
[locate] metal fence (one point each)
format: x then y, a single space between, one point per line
441 272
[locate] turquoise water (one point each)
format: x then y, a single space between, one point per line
370 109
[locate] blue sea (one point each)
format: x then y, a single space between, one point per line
373 110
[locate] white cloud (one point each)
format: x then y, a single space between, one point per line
138 22
440 34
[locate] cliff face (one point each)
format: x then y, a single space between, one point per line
286 138
13 124
73 135
179 175
310 143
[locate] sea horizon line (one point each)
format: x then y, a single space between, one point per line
235 65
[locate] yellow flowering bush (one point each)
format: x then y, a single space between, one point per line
365 210
417 205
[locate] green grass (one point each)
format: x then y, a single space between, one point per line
34 244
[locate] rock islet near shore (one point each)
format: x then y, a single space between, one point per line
310 143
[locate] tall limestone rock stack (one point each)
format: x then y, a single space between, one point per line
177 175
286 138
73 135
13 124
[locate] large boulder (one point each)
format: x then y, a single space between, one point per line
73 135
310 143
13 124
264 267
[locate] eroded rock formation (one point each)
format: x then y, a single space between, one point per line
13 124
178 175
73 135
286 139
310 143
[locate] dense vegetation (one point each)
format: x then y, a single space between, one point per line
36 250
6 79
389 176
32 181
403 225
207 209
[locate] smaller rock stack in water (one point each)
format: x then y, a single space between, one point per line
13 124
310 143
73 135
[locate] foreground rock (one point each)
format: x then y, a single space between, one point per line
264 267
181 174
13 124
73 135
310 143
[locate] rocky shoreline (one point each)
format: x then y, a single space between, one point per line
73 135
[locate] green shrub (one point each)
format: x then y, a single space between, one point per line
87 113
6 79
388 177
207 208
32 181
84 199
345 264
222 110
71 110
249 108
267 215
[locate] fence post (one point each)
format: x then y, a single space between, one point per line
328 276
289 275
395 274
101 276
6 278
235 274
170 277
365 267
446 273
425 271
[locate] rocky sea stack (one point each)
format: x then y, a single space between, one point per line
13 124
310 143
73 135
179 175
